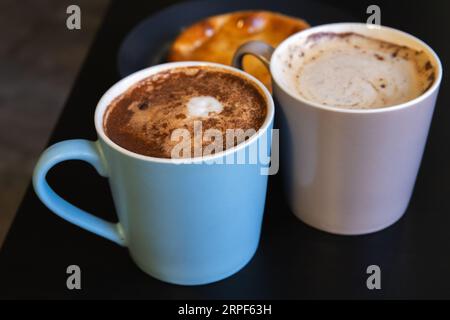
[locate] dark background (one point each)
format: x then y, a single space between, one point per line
39 59
293 260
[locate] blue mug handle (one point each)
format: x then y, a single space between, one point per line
77 149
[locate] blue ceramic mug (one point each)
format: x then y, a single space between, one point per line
184 222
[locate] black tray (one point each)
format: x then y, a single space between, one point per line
293 260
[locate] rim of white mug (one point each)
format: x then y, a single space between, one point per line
121 86
359 28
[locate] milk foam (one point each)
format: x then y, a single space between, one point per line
349 70
202 106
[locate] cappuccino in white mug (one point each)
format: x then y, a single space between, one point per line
353 71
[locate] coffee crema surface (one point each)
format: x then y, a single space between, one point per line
353 71
143 118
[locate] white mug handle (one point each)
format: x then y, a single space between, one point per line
258 49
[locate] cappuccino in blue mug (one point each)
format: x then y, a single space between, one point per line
185 147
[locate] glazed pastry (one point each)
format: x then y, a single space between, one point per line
216 38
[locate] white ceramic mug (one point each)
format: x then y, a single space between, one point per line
348 171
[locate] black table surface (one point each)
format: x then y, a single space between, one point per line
293 260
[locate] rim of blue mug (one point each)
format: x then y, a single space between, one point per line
351 27
122 85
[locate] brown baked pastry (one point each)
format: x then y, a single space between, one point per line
217 38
